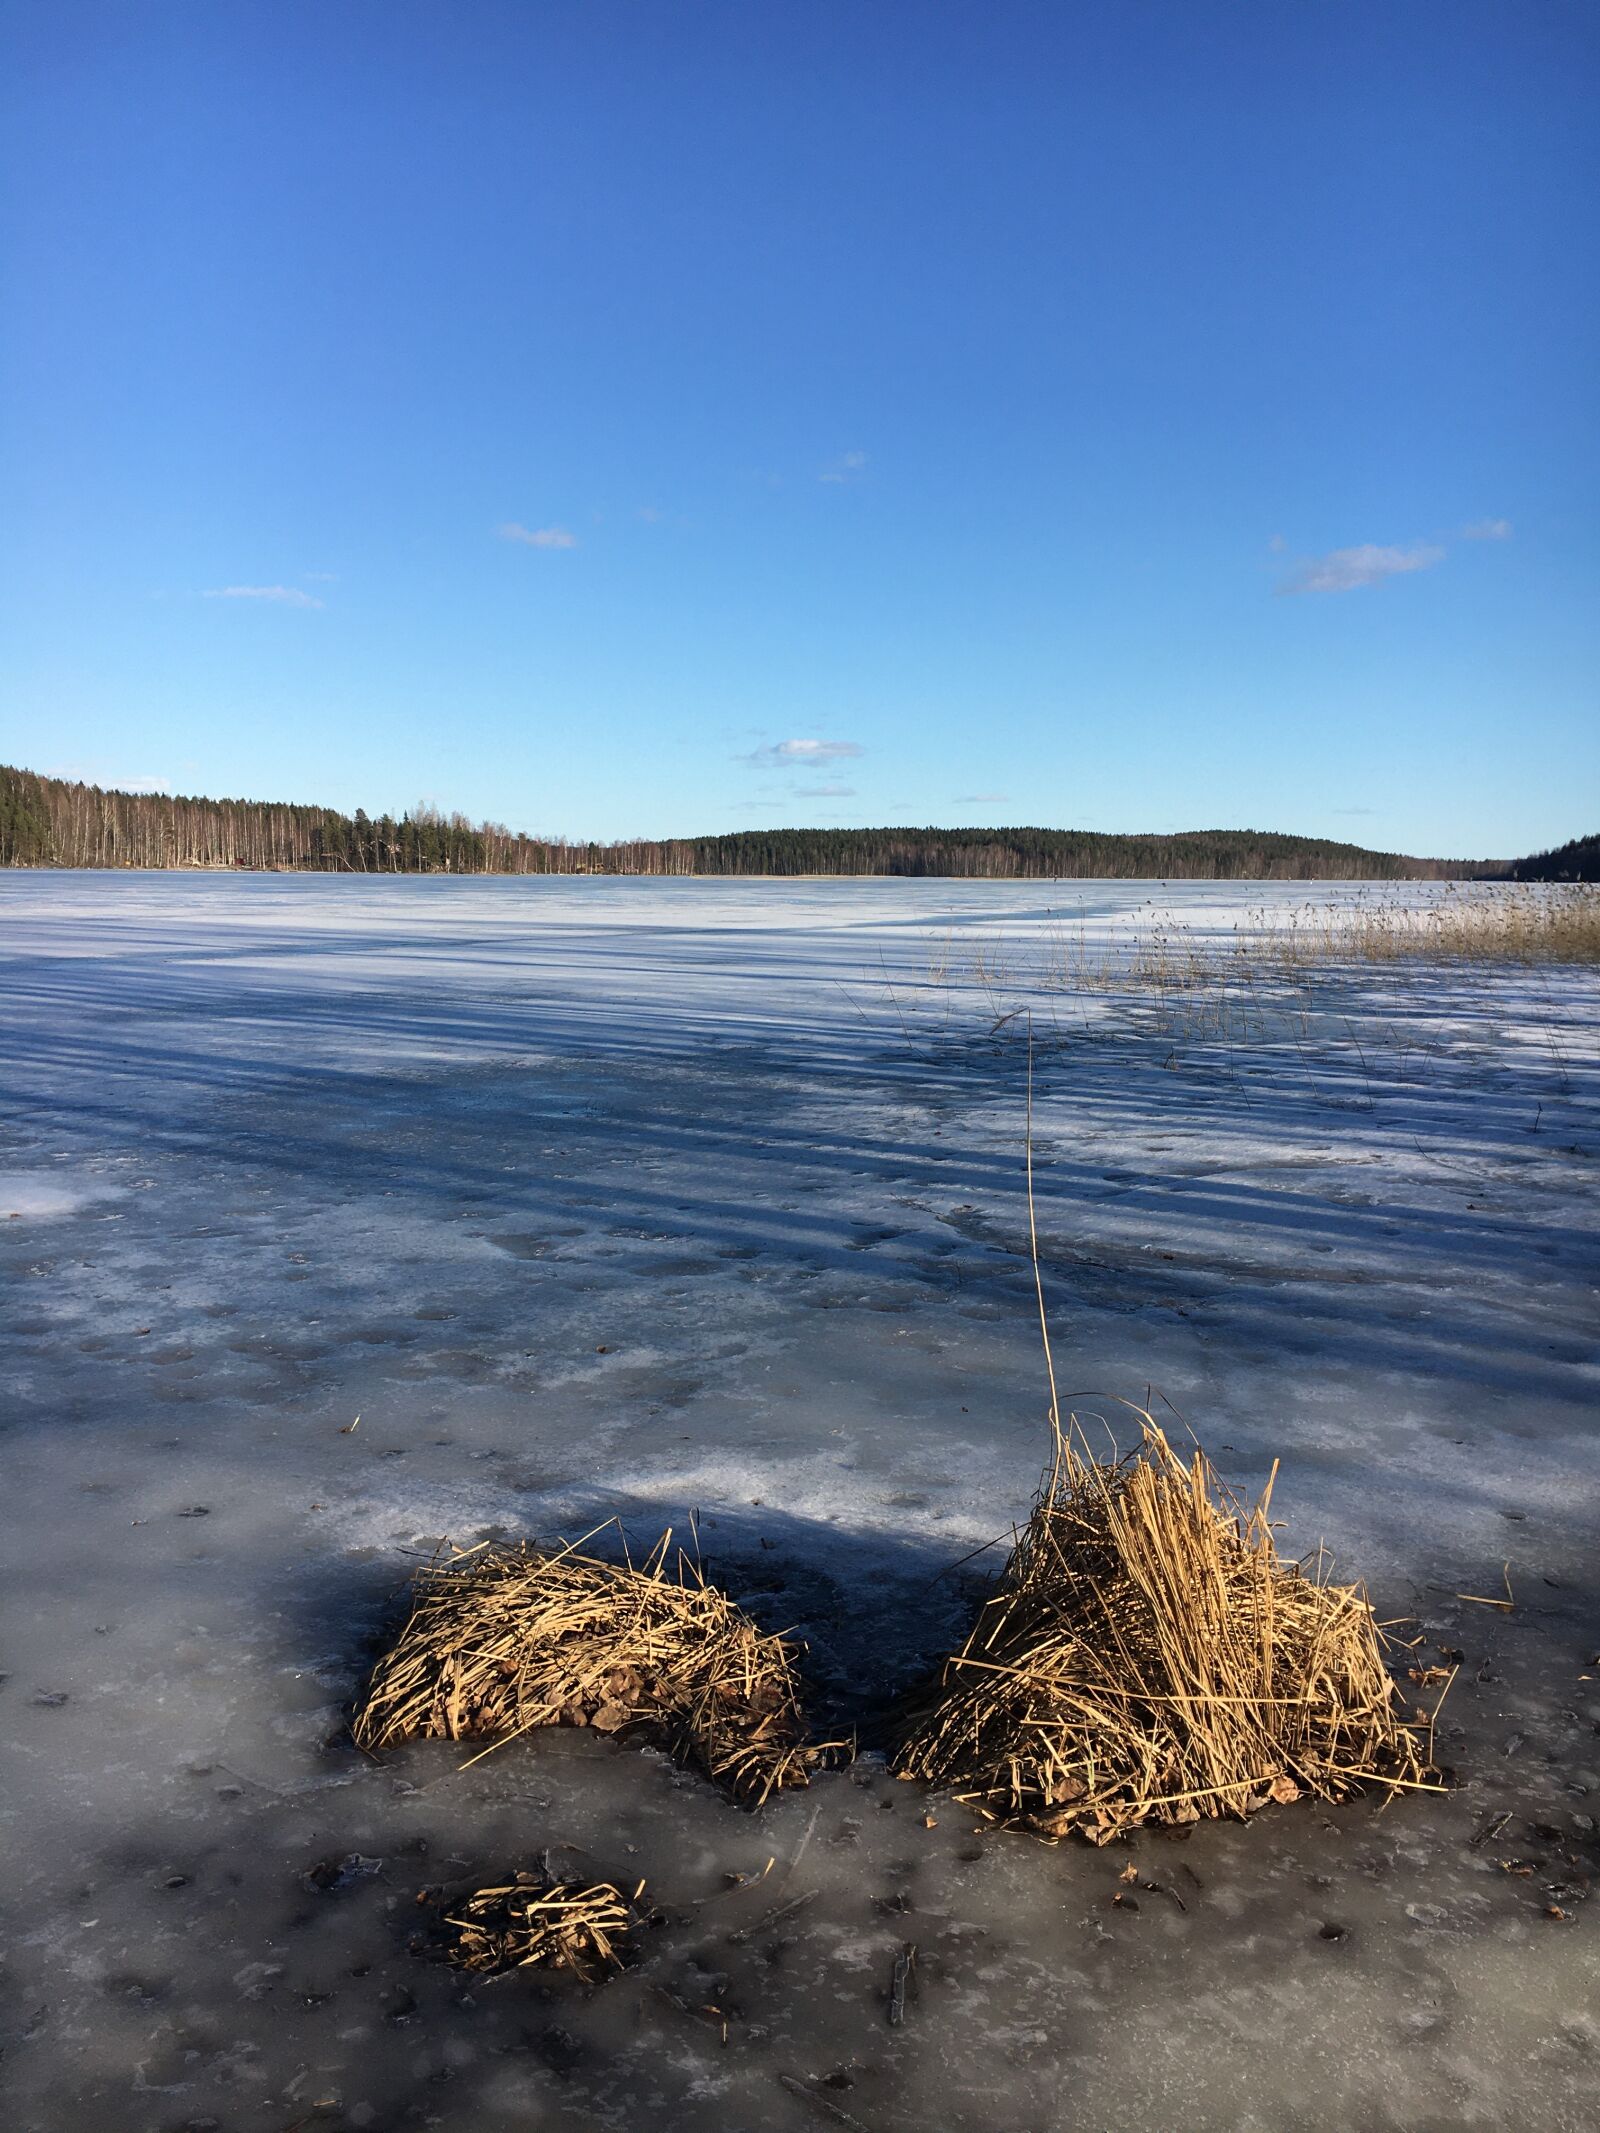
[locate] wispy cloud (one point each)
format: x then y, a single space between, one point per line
845 468
980 799
826 792
1348 569
109 780
1487 529
800 755
284 595
537 536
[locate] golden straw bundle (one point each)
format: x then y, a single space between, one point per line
504 1639
531 1920
1149 1657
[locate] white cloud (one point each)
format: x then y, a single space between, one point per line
284 595
800 755
818 751
980 799
537 536
845 468
1348 569
108 780
826 792
1487 529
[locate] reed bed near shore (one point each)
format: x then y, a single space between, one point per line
531 1922
1265 981
504 1639
1149 1657
1523 925
1519 923
1511 924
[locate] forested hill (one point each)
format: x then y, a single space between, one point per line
51 822
1577 861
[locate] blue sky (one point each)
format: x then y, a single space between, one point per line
653 417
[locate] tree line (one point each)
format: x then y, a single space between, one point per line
1577 860
56 822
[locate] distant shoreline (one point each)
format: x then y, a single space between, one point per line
55 822
1003 881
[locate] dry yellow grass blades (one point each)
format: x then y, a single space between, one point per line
505 1639
530 1921
1149 1657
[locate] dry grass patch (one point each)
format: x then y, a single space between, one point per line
1150 1657
1518 923
504 1639
531 1922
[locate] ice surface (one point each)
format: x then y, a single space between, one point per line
599 1197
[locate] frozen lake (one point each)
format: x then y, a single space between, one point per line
642 1198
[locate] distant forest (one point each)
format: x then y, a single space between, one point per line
55 823
1577 861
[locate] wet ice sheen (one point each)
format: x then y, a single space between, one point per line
605 1197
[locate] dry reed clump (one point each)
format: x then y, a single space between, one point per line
530 1921
505 1638
1149 1657
1519 923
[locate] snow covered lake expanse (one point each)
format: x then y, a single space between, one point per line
645 1199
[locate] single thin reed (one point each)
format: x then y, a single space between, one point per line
1149 1657
505 1639
531 1921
